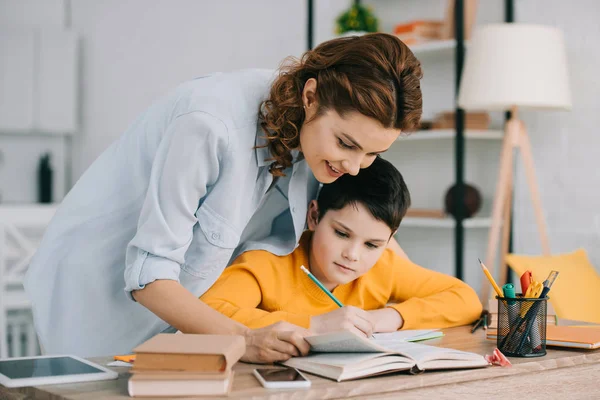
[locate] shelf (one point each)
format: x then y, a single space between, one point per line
477 222
436 46
487 134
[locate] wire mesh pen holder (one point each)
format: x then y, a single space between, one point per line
522 326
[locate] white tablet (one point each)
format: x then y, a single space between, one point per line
50 370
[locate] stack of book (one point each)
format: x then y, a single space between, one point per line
418 31
473 120
171 365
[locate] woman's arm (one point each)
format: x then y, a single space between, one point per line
185 164
174 304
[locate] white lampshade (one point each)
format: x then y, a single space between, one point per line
515 65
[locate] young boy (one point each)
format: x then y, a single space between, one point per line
349 225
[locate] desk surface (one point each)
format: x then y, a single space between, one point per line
571 372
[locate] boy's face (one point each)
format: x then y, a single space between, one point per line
346 243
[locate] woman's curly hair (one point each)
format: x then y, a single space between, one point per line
376 75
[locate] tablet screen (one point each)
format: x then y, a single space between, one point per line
45 367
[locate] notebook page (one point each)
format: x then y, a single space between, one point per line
422 352
352 360
343 342
410 335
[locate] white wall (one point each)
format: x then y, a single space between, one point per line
566 145
136 50
133 51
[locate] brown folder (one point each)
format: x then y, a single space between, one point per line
573 336
189 352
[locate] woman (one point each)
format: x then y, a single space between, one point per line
223 164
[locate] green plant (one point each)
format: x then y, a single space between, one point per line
357 18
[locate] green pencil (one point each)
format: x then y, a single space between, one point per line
320 285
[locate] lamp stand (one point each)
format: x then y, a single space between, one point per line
515 138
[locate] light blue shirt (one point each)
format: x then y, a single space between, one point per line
177 196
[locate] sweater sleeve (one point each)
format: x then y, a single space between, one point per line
238 294
430 299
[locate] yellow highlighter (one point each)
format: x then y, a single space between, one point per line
491 279
533 292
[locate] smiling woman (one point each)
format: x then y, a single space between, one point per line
222 164
343 103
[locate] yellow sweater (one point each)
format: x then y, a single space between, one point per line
260 288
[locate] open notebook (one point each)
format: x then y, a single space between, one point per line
343 356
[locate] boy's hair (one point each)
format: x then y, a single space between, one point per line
380 188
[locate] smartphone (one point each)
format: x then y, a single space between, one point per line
281 378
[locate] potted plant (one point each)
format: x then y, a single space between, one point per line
357 20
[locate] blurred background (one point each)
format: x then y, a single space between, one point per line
75 73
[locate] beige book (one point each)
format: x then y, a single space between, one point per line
344 356
140 385
189 352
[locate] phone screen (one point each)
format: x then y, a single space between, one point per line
280 375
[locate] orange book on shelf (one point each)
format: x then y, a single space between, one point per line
422 27
425 213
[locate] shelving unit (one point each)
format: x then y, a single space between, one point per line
433 160
39 109
440 47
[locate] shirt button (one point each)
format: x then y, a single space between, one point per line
215 235
293 209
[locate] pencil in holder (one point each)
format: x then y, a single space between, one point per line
522 326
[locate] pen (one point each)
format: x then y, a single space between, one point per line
320 285
511 306
479 321
491 279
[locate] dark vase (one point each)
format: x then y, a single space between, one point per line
472 200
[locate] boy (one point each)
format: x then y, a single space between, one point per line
349 225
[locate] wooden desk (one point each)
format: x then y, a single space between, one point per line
562 373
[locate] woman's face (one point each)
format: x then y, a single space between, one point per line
334 145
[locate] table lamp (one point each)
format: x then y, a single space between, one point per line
508 67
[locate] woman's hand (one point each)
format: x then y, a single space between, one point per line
277 342
386 319
349 318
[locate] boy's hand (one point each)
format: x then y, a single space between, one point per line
349 318
277 342
386 319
